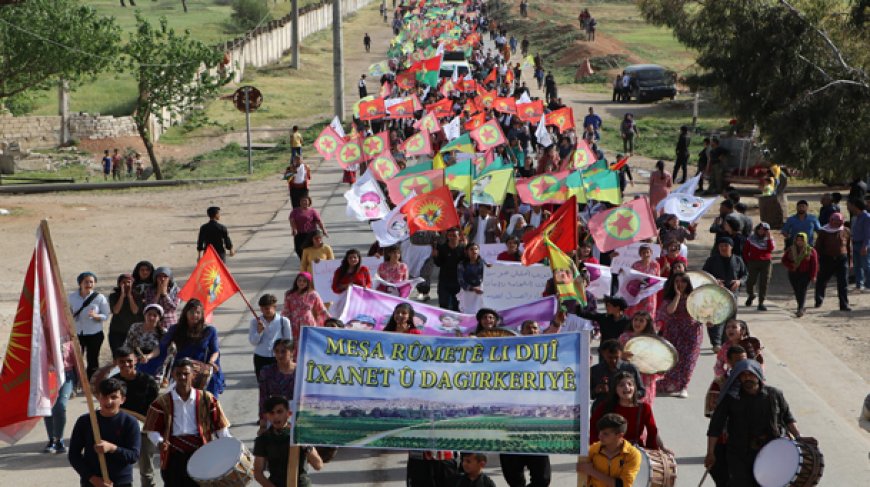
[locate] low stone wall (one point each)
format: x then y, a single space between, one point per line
44 131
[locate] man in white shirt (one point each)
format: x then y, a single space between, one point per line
182 420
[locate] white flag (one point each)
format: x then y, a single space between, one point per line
524 98
365 200
688 208
542 135
393 228
599 280
451 130
634 285
689 187
455 77
336 125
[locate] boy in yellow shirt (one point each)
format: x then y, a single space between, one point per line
612 462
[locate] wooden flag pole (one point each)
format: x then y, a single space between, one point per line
293 466
77 349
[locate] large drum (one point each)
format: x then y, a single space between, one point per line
789 463
711 303
701 278
651 354
222 463
657 469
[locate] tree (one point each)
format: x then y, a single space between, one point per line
797 71
174 73
43 41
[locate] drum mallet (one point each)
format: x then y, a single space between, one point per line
706 473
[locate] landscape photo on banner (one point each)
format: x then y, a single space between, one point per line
367 309
399 391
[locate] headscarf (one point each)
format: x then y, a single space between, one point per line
796 257
759 242
732 384
515 219
832 227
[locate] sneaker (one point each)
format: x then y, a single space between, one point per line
59 447
761 307
749 300
49 448
683 394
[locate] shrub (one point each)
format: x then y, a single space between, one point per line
248 14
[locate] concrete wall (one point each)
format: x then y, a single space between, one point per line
260 47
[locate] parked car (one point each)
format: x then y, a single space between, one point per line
651 82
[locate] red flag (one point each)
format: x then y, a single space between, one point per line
420 183
431 64
491 77
418 144
428 122
210 282
467 85
488 135
376 144
33 367
372 110
582 156
328 143
350 153
383 166
505 105
475 121
562 118
618 164
623 225
509 76
441 109
406 80
560 228
471 107
530 112
487 98
431 211
403 109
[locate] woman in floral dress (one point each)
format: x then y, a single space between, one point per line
393 270
144 339
647 265
683 331
303 306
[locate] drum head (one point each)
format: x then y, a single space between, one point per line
214 459
777 463
651 355
700 278
643 475
711 304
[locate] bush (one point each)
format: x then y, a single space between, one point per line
20 104
248 14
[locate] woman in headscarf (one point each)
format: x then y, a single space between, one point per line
757 254
802 263
516 227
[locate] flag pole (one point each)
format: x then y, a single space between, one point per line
77 349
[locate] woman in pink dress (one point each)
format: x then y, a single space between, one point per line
303 306
393 270
660 183
647 265
642 324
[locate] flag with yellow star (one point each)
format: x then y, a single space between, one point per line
210 282
431 211
623 225
543 189
488 135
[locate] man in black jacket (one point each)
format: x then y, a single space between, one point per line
447 256
730 272
215 234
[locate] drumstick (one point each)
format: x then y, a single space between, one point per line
706 472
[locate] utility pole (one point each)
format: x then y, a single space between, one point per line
337 60
63 110
294 60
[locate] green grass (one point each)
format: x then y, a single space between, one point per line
114 93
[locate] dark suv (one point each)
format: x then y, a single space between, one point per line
651 82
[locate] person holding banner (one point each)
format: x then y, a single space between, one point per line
392 269
303 306
351 272
672 231
470 277
315 252
650 266
512 253
447 257
613 321
402 320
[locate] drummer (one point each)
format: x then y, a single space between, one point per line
182 420
142 390
719 472
755 414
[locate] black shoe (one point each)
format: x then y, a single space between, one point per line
845 308
818 303
749 300
799 313
59 447
49 448
762 307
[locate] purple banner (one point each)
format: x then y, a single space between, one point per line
370 310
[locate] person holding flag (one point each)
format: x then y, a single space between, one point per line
194 339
